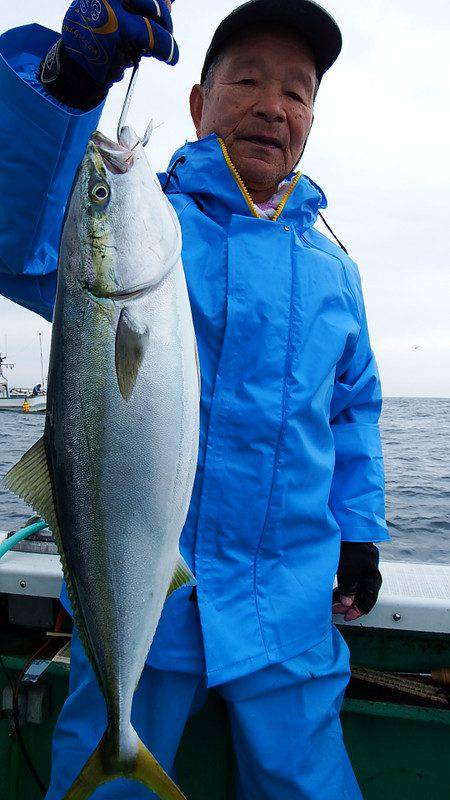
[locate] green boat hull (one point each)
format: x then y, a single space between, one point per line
399 749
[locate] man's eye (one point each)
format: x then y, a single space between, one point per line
295 96
246 82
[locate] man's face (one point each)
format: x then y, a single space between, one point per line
261 104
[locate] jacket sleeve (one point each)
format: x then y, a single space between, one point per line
357 492
41 144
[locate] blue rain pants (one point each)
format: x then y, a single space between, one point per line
284 721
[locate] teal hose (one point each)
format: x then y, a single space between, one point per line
20 535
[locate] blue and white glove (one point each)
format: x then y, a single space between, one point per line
105 36
100 39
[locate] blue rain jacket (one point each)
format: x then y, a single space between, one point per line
290 459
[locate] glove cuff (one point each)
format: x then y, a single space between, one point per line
69 83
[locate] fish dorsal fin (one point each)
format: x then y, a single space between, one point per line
30 480
182 576
131 343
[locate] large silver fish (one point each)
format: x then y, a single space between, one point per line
114 471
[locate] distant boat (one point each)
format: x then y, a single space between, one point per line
16 403
27 401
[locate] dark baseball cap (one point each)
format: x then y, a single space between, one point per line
311 21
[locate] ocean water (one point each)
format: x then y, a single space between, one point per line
416 446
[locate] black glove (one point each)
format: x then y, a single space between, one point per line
100 38
359 580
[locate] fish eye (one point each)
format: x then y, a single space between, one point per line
99 193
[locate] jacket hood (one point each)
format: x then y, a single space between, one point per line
200 169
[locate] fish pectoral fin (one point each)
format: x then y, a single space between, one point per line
132 338
30 480
182 576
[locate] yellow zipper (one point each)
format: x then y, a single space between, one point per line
286 196
245 191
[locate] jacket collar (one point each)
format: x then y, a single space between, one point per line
208 175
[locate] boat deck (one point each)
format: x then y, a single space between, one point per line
414 597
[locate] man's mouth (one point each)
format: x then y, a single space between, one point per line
263 141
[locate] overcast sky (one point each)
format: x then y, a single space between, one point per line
379 149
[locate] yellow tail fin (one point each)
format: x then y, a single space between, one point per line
146 771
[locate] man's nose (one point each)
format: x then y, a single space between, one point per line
270 107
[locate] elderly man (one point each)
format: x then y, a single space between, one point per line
289 485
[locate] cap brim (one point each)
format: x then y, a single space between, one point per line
310 20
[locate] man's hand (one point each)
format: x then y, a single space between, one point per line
100 38
359 580
105 36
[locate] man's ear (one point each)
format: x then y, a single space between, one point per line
196 102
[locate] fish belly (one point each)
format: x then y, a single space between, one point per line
123 472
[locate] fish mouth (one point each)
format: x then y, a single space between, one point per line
117 158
